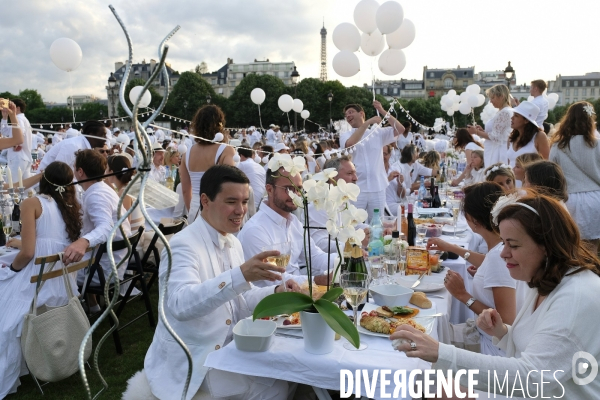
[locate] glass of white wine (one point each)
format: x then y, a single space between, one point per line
283 259
356 286
7 224
455 212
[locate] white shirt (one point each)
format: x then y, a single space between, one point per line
404 141
368 158
410 172
27 146
109 135
65 151
160 135
158 174
267 227
271 137
542 103
257 175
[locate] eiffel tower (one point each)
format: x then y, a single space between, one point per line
323 53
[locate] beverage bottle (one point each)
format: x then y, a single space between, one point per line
376 243
357 264
437 202
16 219
443 176
422 194
412 228
404 224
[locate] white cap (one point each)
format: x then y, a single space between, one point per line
280 146
72 132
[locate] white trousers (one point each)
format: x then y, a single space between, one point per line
15 163
371 200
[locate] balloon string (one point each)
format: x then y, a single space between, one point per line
260 117
288 117
71 92
373 85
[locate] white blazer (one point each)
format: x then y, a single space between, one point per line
197 308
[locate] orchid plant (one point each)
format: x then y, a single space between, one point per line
333 197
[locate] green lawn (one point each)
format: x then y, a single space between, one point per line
116 369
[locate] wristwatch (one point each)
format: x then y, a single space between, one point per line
467 255
470 302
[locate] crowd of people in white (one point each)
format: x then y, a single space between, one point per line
530 196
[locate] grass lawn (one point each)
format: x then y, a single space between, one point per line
116 369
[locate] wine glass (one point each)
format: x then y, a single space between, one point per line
377 270
388 222
455 212
283 259
390 263
356 286
7 224
422 232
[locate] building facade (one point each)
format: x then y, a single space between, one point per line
439 81
403 88
226 78
487 79
575 88
81 99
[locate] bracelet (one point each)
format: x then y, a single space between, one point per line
14 270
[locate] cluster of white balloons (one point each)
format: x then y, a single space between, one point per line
488 112
552 99
465 102
379 24
286 102
65 54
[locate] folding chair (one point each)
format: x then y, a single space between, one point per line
138 275
43 261
153 250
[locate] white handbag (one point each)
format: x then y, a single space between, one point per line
52 336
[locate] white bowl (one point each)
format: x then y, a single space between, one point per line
254 335
391 295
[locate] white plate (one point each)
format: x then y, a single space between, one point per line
449 229
431 283
421 318
280 325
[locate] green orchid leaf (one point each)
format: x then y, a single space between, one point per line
281 303
338 321
333 294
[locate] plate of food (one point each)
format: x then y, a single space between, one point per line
429 283
286 321
382 321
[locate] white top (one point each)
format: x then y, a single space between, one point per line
160 135
574 160
542 103
512 154
498 128
546 339
404 141
271 139
368 158
157 174
410 172
475 176
473 146
65 152
267 227
255 137
257 175
25 152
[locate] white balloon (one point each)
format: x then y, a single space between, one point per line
456 98
452 92
182 148
464 108
346 37
455 106
551 103
480 100
298 105
257 95
449 102
285 102
65 54
236 158
464 96
444 107
450 112
392 62
218 137
372 44
389 17
473 89
305 114
364 15
403 36
553 96
472 100
134 93
346 64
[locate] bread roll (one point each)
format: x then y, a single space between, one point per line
419 299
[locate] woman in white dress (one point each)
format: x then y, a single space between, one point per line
493 286
575 148
557 323
208 121
498 128
50 222
526 136
464 141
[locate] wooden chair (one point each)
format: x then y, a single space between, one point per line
138 276
42 276
153 250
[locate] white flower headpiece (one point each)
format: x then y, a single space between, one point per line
496 168
589 109
508 200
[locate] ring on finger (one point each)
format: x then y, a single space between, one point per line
413 346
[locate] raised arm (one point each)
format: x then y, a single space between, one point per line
17 131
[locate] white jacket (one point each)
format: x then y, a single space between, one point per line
197 308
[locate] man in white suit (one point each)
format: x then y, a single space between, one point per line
209 290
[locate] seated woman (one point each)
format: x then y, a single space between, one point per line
50 222
411 169
521 164
474 172
547 177
501 174
119 162
431 160
464 141
542 247
493 286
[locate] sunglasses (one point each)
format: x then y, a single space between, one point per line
102 150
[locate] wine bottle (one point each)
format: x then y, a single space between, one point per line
443 176
357 264
2 236
412 228
16 219
404 224
437 202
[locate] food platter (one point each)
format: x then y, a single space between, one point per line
424 318
279 320
428 284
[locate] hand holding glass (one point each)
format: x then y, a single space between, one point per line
283 259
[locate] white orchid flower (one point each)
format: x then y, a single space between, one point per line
348 191
353 216
358 237
325 175
280 160
318 195
298 200
295 166
332 229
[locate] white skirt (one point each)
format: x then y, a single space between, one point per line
583 207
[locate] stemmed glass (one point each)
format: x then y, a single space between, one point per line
283 259
7 224
356 286
455 212
422 232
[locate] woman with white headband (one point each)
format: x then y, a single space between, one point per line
557 324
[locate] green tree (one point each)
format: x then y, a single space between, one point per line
92 111
201 68
154 103
7 95
189 94
32 99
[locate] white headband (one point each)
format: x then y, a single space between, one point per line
496 168
508 200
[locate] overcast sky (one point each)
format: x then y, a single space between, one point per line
541 38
